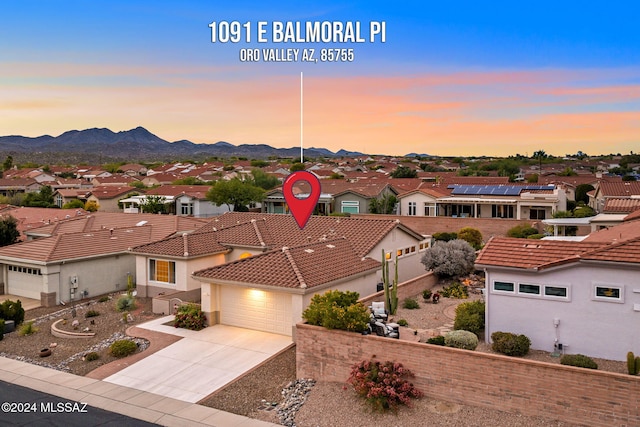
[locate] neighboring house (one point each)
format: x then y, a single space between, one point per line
535 202
236 236
133 169
107 197
584 296
119 179
30 218
65 195
160 178
179 200
89 250
607 190
12 186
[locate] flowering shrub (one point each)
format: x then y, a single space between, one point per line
461 339
384 385
190 316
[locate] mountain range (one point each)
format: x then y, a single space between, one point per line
139 144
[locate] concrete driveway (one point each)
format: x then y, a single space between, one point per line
201 362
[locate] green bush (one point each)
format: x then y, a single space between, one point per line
510 344
402 322
122 348
410 304
439 340
190 316
104 298
444 236
537 236
472 236
579 360
125 303
91 313
450 259
27 329
337 310
91 356
521 231
455 290
426 294
12 310
461 339
470 317
1 329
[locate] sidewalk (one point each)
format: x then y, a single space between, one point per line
120 399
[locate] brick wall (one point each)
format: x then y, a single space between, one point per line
408 289
576 395
434 224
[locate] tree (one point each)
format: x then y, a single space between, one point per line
472 236
259 163
296 167
236 194
73 204
384 204
450 259
41 199
568 171
521 231
404 172
539 155
91 206
187 180
9 233
8 163
153 204
581 192
264 180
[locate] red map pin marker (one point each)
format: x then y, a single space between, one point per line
301 208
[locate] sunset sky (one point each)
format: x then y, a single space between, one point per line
452 78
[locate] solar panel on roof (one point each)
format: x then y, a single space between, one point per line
495 190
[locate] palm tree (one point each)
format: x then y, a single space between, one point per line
540 154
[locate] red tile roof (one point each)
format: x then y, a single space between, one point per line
530 253
626 252
621 205
111 191
78 245
277 230
186 245
301 267
195 191
619 189
624 231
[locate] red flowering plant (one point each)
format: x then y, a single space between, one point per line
384 385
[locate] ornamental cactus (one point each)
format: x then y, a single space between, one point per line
390 290
633 363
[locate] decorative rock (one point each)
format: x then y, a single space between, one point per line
75 323
53 345
295 394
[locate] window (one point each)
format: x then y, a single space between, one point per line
429 209
424 245
186 209
162 271
503 286
524 288
350 207
556 291
609 293
537 213
59 201
412 209
502 211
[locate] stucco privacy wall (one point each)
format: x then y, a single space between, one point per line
570 394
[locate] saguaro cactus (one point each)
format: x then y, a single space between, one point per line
390 289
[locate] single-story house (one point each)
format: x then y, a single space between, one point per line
569 297
180 200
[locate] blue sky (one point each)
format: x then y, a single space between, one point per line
451 79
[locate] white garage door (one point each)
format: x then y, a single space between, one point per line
256 309
23 282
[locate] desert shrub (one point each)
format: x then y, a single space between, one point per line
410 304
91 313
337 310
579 360
473 236
537 236
633 363
453 258
402 322
384 385
426 294
461 339
122 348
104 298
455 290
510 344
91 356
27 329
12 310
125 303
190 316
444 236
521 231
439 340
470 317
